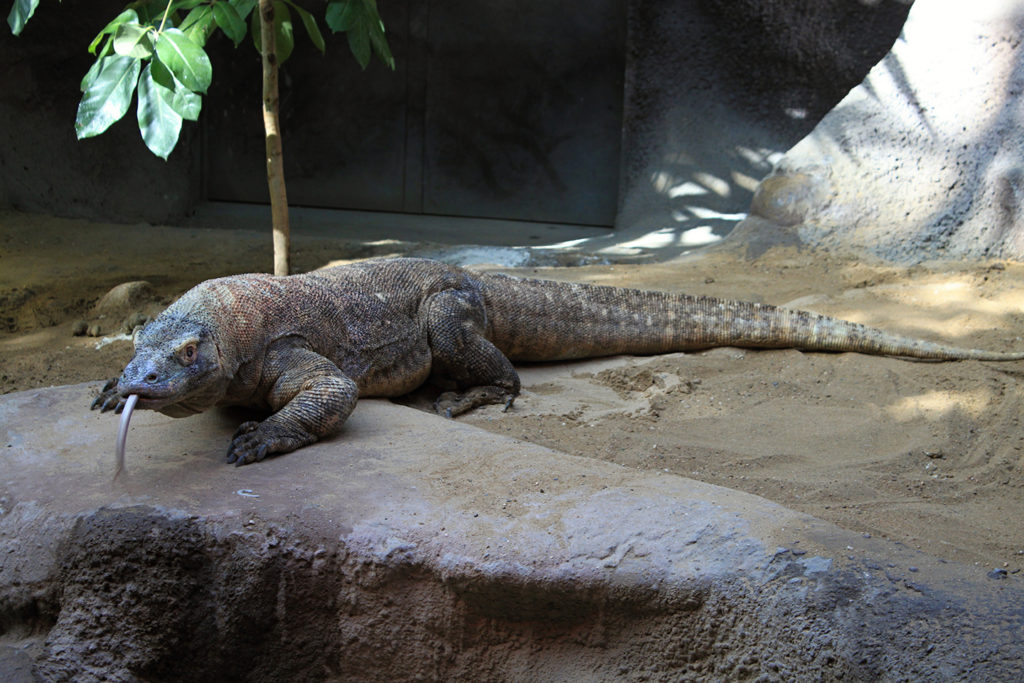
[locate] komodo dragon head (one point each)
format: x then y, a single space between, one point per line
177 369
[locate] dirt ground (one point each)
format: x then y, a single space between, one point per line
926 454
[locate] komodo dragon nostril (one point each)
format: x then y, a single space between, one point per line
151 378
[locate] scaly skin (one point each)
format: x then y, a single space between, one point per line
305 347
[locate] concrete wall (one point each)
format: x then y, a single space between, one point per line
493 112
506 110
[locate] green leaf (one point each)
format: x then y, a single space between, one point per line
21 12
196 15
126 16
90 75
132 40
151 11
107 94
198 24
375 31
359 43
182 100
284 39
255 26
341 15
309 22
162 75
159 124
186 60
243 7
187 103
229 22
380 44
360 19
184 4
108 48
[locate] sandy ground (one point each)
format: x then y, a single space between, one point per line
926 454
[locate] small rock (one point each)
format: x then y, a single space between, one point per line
79 328
787 199
998 573
94 330
125 299
135 321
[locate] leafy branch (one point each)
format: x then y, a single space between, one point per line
156 48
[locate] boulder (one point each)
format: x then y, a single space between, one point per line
413 547
924 159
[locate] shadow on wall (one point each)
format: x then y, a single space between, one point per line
717 92
702 202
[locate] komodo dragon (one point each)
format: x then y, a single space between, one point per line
305 347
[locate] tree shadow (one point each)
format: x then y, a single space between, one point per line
733 88
976 213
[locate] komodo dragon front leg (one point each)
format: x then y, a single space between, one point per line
463 358
310 396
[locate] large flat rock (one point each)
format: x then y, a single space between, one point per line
414 547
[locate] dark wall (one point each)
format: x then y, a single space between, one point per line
504 110
524 109
630 112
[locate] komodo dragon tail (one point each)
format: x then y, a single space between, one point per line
536 320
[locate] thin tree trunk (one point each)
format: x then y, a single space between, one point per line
275 158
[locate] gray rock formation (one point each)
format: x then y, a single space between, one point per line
925 158
411 547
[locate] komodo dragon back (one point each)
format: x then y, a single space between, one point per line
304 348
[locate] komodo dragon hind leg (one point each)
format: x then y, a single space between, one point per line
462 356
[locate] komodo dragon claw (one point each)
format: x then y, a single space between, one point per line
254 441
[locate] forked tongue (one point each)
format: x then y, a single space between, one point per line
122 431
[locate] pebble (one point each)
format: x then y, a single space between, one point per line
137 319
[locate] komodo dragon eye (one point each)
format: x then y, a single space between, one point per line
187 353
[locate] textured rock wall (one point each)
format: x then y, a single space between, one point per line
924 159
